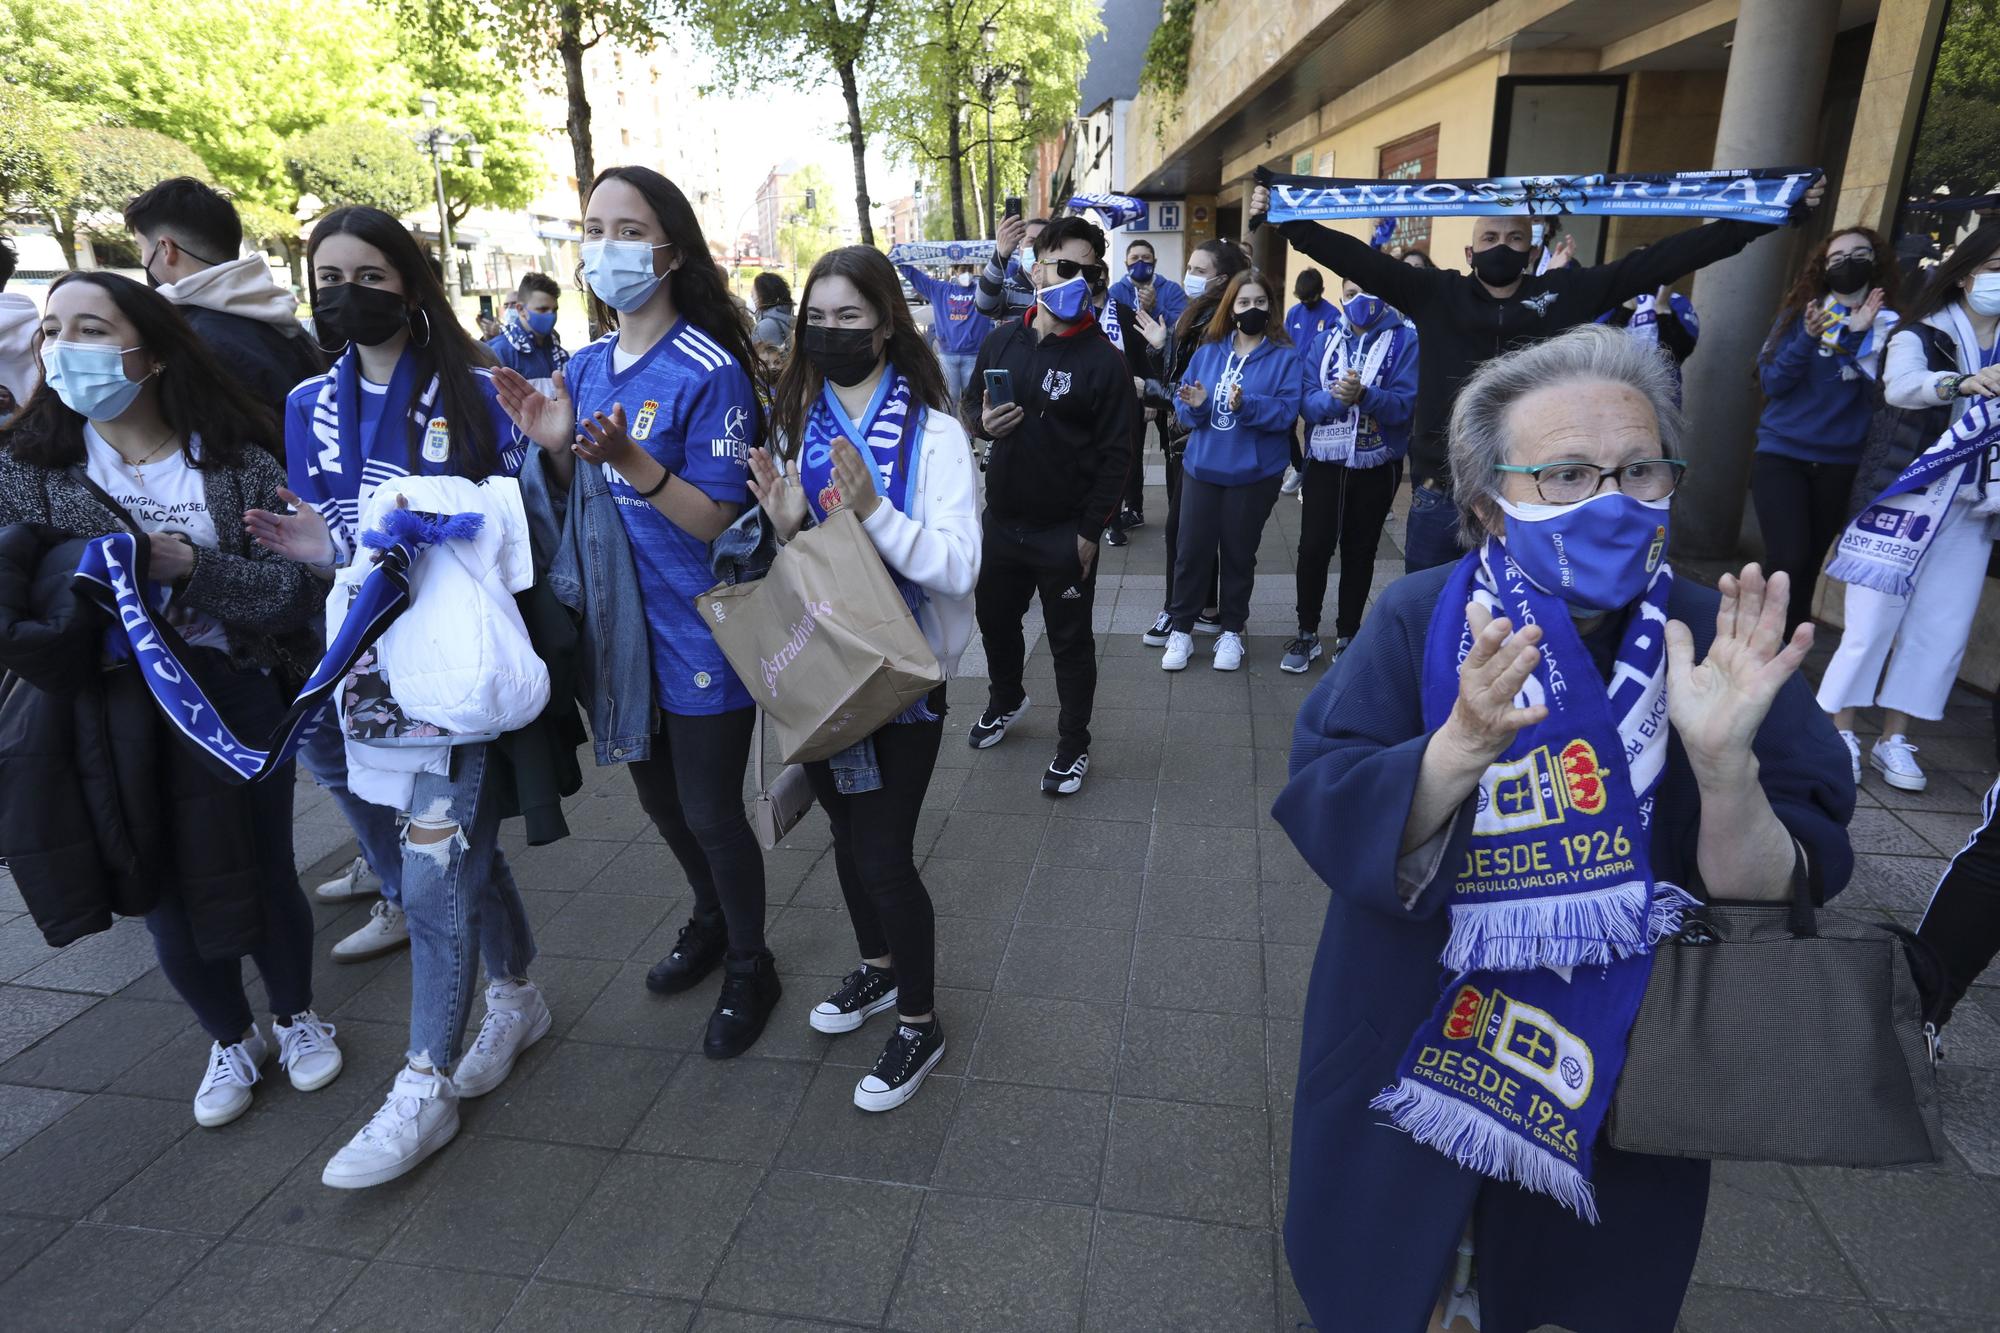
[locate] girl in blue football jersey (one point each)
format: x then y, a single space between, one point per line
665 404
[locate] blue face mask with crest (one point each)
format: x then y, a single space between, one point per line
1596 556
1362 310
1141 271
1066 300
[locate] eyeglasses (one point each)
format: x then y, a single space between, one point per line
1069 268
1573 483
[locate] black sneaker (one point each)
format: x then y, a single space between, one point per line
1130 518
913 1051
697 950
1156 637
991 726
1300 652
1115 536
750 991
863 993
1208 622
1065 775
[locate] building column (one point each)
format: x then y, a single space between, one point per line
1770 118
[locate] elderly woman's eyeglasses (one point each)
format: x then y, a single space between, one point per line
1572 483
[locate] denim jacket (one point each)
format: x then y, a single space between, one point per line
590 571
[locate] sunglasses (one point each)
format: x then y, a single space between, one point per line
1069 268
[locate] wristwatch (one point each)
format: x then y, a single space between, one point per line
1947 387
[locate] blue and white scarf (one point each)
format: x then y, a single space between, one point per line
1116 209
1753 194
1886 542
1555 910
887 437
522 339
1356 439
344 468
1107 319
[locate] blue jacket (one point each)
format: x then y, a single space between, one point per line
1171 297
1255 441
1375 1217
1305 321
537 363
1391 400
1817 403
956 323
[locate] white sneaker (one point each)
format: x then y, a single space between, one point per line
1894 758
356 881
306 1051
1228 651
387 931
225 1089
1853 744
1293 480
419 1117
1179 648
516 1018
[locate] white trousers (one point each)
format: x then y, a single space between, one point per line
1921 637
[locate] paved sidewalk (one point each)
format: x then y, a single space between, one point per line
1104 1147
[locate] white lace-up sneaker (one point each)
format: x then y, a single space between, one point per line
1180 647
1895 759
225 1088
1228 651
1853 743
419 1117
387 931
516 1018
355 881
306 1051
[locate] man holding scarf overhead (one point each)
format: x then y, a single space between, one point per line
1512 783
1467 319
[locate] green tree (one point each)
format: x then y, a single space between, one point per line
808 233
266 227
37 156
115 163
1958 141
361 162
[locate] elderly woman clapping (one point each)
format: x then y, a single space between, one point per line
1512 783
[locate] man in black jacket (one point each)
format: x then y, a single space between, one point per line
189 241
1062 441
1464 320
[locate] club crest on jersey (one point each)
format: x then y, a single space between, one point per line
642 425
437 441
1055 384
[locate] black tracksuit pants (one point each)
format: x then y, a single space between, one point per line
1963 920
1020 563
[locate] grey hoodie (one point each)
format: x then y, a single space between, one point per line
18 321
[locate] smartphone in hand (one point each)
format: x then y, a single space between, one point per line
999 388
1012 208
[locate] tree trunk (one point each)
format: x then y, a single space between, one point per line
569 43
954 156
857 139
65 234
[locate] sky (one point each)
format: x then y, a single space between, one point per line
776 124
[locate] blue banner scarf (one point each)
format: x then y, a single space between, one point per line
1555 911
1107 319
1116 209
1885 543
887 437
1384 229
1753 194
949 252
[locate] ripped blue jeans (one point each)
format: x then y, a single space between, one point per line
462 904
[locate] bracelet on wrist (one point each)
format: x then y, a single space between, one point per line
666 475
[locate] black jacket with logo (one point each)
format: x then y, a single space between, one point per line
1066 463
1460 324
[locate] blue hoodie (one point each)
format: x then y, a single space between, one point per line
1819 402
955 319
1391 400
1255 441
1169 298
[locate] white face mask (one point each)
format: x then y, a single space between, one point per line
1982 293
1194 284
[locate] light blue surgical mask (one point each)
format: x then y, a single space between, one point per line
1597 556
621 272
1194 284
90 378
1983 293
541 322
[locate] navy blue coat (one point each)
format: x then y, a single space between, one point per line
1375 1217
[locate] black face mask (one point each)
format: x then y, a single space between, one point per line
1253 321
364 316
1499 265
845 356
1850 274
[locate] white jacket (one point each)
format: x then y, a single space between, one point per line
18 321
1907 379
937 545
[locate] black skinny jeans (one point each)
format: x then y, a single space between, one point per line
1801 508
874 852
692 789
214 988
1963 920
1173 529
1345 507
1231 517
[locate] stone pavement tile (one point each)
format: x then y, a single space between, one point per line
1216 976
989 889
984 1265
1972 1112
542 905
1761 1235
303 1212
1943 790
1210 1163
499 1205
95 1047
1061 895
969 951
210 1179
1066 963
402 1298
1287 970
1945 830
570 985
605 813
79 1161
1973 1038
577 1093
1916 1239
26 1112
1278 860
1210 804
22 948
568 865
1000 791
1176 904
1202 689
548 1307
244 1288
1292 913
715 1320
1095 845
811 941
1897 883
1017 1042
601 925
964 1011
1183 760
785 1249
1041 1143
737 1110
383 999
785 868
1208 853
1882 833
834 1137
97 1277
22 1238
314 843
1141 724
174 1067
1159 1275
1936 1323
1178 1055
1728 1310
1203 729
654 1224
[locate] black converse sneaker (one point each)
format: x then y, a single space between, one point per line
913 1051
1156 637
1065 775
863 993
991 726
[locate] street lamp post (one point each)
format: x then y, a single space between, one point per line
989 77
439 142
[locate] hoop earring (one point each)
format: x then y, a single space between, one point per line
411 320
